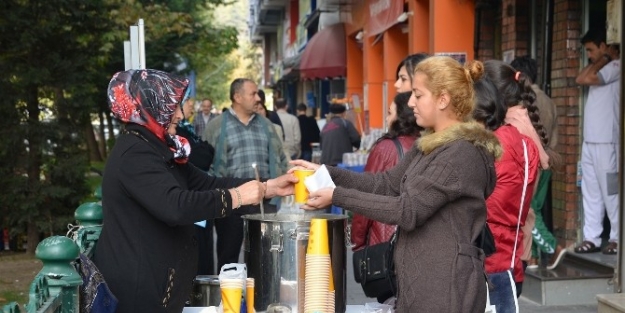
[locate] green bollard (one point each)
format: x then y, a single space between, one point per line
57 254
11 308
89 217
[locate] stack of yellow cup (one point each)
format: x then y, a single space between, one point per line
317 283
231 293
249 295
331 296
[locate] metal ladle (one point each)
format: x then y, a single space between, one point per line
262 208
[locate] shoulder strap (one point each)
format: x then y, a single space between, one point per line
518 223
400 148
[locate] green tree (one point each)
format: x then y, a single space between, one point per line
57 57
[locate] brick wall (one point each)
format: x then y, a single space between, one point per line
511 20
489 33
566 94
515 30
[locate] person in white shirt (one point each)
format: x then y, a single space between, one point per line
292 134
601 140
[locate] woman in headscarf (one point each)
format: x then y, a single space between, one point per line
147 251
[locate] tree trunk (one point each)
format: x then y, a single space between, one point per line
92 144
34 160
102 136
109 123
32 237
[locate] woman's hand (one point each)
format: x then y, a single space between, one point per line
319 199
251 192
301 164
281 186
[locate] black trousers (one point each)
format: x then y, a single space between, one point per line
229 239
230 234
206 250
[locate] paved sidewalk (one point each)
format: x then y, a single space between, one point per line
355 295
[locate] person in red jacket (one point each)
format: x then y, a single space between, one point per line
383 156
504 212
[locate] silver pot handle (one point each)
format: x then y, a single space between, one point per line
299 233
277 242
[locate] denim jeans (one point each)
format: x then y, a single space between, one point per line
503 293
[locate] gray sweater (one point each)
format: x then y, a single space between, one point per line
436 196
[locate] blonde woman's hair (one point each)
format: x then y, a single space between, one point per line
446 75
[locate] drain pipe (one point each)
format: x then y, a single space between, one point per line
621 196
547 47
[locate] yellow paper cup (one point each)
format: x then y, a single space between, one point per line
301 192
231 299
318 237
249 295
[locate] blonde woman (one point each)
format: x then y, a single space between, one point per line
436 194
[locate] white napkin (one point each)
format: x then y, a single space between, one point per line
320 179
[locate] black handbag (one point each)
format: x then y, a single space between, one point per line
486 241
374 269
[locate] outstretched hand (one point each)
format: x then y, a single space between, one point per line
251 192
319 199
302 164
281 186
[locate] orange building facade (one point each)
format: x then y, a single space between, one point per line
378 34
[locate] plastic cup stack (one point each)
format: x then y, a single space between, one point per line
317 284
231 292
249 295
331 293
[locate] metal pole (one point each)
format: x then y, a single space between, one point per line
141 45
127 55
134 47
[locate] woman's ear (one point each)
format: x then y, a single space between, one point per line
443 101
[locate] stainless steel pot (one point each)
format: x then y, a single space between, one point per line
206 291
275 254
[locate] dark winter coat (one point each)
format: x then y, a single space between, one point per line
147 251
436 195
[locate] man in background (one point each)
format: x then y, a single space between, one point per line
338 136
241 137
290 126
201 120
309 130
601 142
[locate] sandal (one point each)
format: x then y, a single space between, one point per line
611 248
586 247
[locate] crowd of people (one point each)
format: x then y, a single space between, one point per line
173 167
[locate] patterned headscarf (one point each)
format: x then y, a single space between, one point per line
149 98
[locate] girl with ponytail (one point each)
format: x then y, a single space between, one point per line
516 90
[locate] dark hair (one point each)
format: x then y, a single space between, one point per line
406 123
489 108
515 92
595 35
261 95
208 99
237 85
302 107
280 104
410 62
527 66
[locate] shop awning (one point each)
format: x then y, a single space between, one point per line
324 55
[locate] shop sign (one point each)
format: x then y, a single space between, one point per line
383 14
461 57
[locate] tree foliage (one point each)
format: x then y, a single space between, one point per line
56 58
